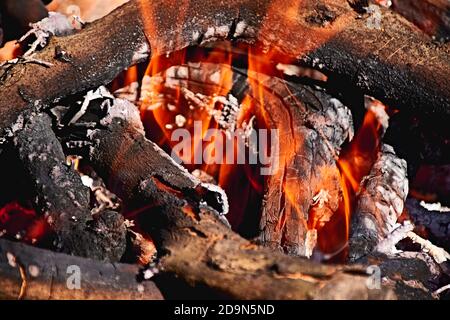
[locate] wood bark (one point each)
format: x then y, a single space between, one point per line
397 64
31 273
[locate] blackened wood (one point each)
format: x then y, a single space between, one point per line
47 275
397 63
61 196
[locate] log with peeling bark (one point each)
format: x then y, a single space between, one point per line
193 241
397 64
31 273
62 198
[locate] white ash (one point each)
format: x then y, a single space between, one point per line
11 259
124 110
33 271
100 93
56 24
223 196
141 54
434 206
289 69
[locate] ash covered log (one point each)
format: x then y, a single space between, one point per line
62 198
380 203
396 63
31 273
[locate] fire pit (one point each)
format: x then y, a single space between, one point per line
248 150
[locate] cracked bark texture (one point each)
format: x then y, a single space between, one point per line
380 203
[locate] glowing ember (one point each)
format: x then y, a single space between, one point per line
21 223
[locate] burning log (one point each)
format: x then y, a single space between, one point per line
31 273
191 237
397 65
304 192
61 196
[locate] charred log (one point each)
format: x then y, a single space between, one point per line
436 224
61 196
398 65
31 273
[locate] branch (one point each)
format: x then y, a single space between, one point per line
32 273
396 64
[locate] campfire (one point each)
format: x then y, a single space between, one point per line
243 149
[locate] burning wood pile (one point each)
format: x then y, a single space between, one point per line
263 149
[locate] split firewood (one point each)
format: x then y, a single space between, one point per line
61 196
380 203
394 63
31 273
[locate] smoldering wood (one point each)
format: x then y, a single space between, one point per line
62 198
311 127
436 224
32 273
431 16
195 244
379 203
396 64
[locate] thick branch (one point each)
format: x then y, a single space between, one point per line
396 64
32 273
